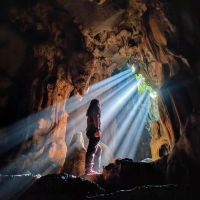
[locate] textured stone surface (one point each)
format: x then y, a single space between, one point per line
159 142
61 64
112 31
125 174
167 38
75 159
183 162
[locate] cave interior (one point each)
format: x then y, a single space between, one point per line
140 58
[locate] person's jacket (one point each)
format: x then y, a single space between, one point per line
93 120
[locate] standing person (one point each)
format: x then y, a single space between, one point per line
93 155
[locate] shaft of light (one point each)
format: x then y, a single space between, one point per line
126 123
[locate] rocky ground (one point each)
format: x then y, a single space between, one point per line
64 186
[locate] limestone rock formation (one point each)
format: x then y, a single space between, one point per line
112 31
143 150
56 56
183 163
75 159
167 38
159 142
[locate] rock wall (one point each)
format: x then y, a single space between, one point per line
58 64
183 163
168 35
159 142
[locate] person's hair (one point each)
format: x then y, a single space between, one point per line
93 104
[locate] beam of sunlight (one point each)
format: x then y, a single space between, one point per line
117 96
116 90
140 128
109 80
126 123
112 108
20 131
24 130
130 142
73 104
77 119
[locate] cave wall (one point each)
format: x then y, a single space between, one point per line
159 141
57 64
169 27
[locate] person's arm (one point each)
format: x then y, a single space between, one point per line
96 120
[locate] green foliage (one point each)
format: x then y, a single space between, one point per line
142 85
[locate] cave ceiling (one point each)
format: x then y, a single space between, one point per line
113 34
148 33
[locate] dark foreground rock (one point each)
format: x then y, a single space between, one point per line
52 186
124 174
62 186
161 192
12 186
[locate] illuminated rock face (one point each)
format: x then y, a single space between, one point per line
159 142
59 64
112 31
75 158
170 42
